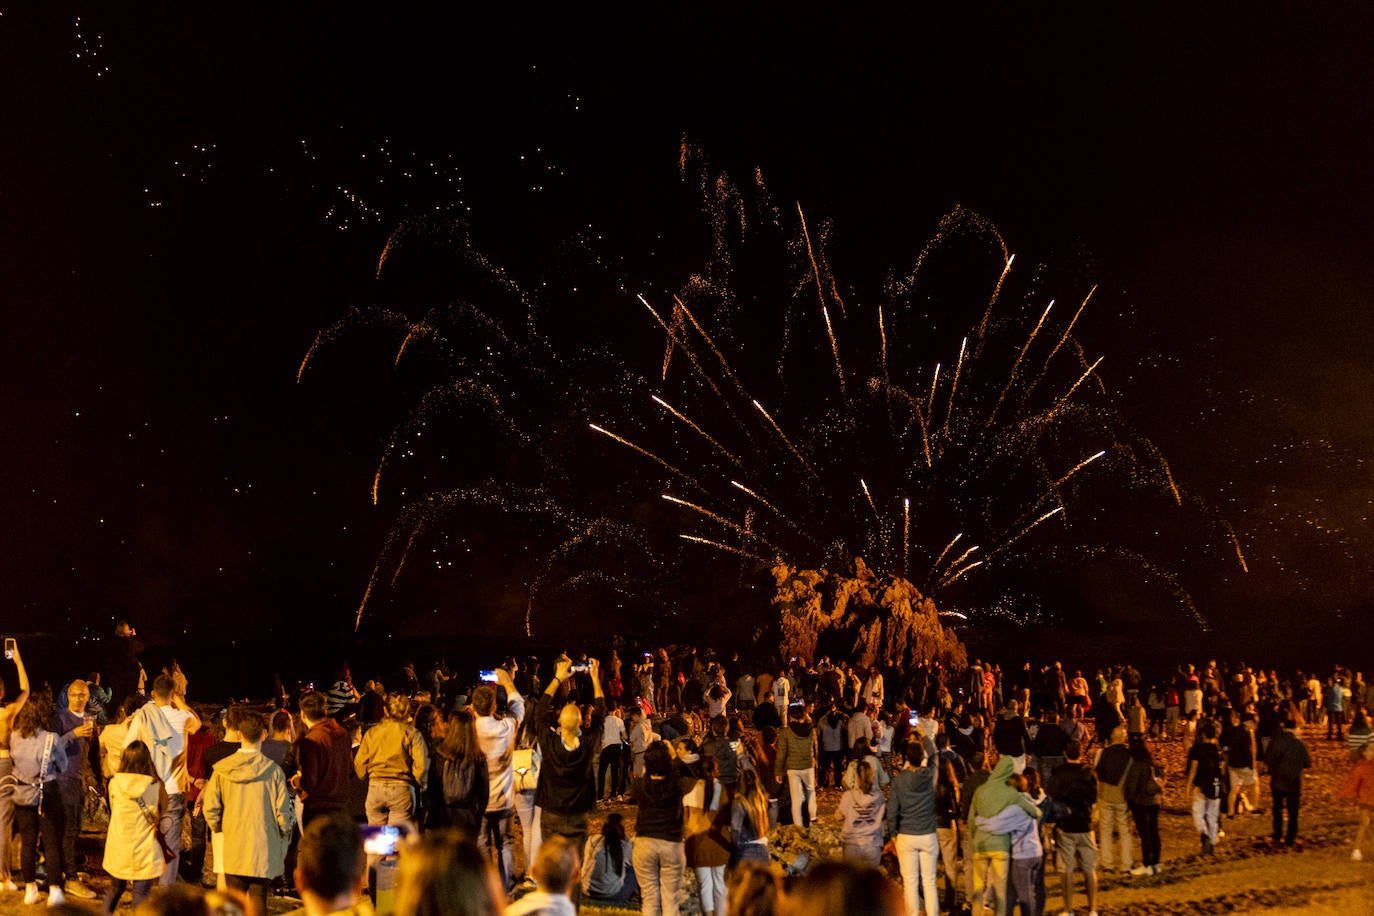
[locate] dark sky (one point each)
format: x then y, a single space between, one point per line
180 213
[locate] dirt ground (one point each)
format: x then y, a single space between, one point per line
1246 874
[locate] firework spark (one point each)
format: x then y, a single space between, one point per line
703 433
647 454
719 546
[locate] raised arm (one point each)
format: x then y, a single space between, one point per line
22 696
193 722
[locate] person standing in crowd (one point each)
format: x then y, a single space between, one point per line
76 729
496 735
393 760
992 850
1027 853
705 820
1010 736
248 801
1206 776
614 738
1238 740
132 851
1110 767
1333 702
39 756
462 773
1143 791
749 821
912 823
659 856
163 725
122 666
1286 758
862 811
832 742
343 696
567 779
8 713
796 762
324 758
1074 785
1359 788
782 692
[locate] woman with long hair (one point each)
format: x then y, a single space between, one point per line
659 857
39 755
749 820
608 877
705 838
912 822
132 852
445 874
861 810
1143 791
8 713
462 767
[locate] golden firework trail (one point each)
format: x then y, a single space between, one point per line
1011 377
882 355
930 402
1244 567
410 332
996 291
719 546
410 542
314 345
906 536
717 518
1081 379
820 295
703 433
872 505
1076 468
647 454
1025 531
720 355
947 549
691 354
377 479
964 556
959 575
785 441
1169 476
367 593
1069 329
386 250
954 386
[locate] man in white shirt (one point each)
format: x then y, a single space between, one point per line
163 725
496 736
782 689
873 688
860 726
613 739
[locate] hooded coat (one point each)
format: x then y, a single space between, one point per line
247 800
991 797
131 849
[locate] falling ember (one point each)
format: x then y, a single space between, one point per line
705 435
785 441
1173 488
871 504
719 546
386 250
906 535
367 593
647 454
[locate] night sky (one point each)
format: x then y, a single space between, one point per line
190 194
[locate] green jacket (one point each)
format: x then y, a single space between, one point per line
796 749
991 797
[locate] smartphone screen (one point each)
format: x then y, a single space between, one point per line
488 676
914 719
381 840
9 647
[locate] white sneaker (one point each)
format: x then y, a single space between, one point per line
55 896
1141 870
9 885
1357 856
31 893
79 890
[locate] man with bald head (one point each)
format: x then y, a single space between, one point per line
76 730
567 781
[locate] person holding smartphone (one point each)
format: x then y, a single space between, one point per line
8 713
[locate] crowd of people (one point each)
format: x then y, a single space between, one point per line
647 779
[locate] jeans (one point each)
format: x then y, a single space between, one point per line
948 838
193 858
495 837
390 801
802 784
30 822
917 856
627 891
170 827
1147 825
6 821
659 865
1028 880
864 853
990 875
142 888
832 768
530 836
1206 815
1112 818
71 828
1289 800
711 880
610 760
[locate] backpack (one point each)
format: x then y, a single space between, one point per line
460 781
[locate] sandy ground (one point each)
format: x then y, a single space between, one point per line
1246 874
